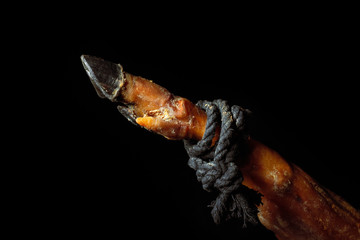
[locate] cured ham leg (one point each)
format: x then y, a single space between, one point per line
294 205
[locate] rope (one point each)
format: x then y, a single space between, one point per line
215 165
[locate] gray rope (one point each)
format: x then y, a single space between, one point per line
215 165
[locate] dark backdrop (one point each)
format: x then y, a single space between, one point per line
295 76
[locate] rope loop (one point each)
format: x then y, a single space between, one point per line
215 165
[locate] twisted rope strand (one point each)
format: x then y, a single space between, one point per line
215 166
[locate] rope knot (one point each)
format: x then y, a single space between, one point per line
215 165
206 172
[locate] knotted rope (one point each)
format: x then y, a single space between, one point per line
215 165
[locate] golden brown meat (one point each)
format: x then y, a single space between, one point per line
295 206
159 111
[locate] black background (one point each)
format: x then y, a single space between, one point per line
294 72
